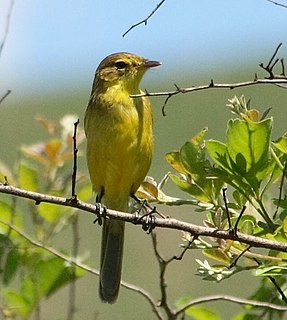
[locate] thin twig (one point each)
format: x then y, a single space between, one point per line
162 281
235 229
169 223
234 262
8 18
272 79
75 252
211 85
5 96
187 247
226 209
224 297
280 190
278 4
75 152
272 63
144 21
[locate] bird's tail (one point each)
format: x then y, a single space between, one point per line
111 259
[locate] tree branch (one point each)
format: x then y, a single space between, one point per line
211 85
5 96
224 297
8 18
279 79
144 21
74 261
169 223
278 4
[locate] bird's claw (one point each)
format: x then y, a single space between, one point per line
147 220
101 213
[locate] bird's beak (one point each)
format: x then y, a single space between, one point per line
151 64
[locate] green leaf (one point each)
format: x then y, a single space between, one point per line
247 224
11 265
68 274
85 192
218 153
192 155
193 159
217 254
174 159
248 147
281 143
201 313
271 271
53 273
52 213
248 139
193 189
249 316
28 177
8 214
16 301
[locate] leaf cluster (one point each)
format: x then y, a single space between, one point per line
30 274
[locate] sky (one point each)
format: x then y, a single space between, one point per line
55 43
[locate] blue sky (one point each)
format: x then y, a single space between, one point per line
52 42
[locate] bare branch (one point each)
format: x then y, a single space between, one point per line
169 223
8 18
278 79
259 304
144 21
163 264
162 281
278 4
5 96
272 63
141 291
75 165
211 85
75 252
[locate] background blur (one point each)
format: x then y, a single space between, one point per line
48 61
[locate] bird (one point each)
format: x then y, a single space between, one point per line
119 134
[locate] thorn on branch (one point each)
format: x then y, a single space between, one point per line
146 92
6 182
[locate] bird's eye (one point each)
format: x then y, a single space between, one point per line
120 65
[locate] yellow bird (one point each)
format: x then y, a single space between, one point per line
119 151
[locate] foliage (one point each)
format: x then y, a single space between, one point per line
30 274
246 166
